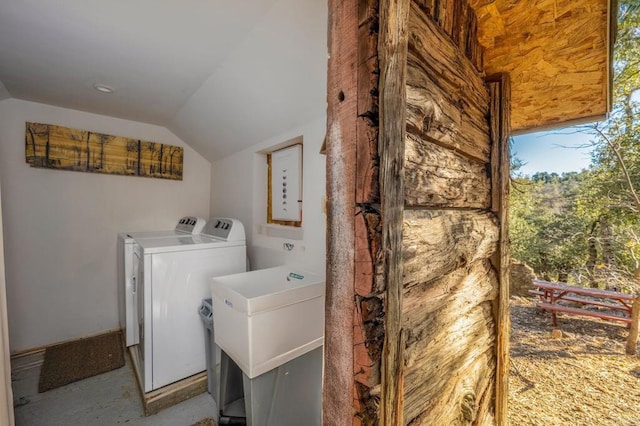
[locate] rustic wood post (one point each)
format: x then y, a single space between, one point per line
392 50
410 321
632 341
499 88
341 159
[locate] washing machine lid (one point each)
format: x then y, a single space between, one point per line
183 243
187 225
130 237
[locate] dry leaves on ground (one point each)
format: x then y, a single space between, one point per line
580 378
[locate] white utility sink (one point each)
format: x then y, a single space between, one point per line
265 318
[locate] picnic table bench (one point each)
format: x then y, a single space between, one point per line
550 293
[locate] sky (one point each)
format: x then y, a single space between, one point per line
561 150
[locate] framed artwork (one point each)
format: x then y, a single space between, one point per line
56 147
284 180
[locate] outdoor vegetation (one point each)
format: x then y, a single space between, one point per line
584 227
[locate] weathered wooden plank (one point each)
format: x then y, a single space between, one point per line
368 330
458 20
432 380
455 333
500 165
466 20
459 82
430 308
447 97
474 49
367 167
170 395
369 317
434 112
369 325
460 349
338 388
427 6
394 17
461 8
367 247
485 391
369 272
494 126
438 177
173 394
448 239
465 400
430 48
444 15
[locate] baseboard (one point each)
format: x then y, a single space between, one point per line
27 360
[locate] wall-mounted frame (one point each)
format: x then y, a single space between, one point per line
284 180
63 148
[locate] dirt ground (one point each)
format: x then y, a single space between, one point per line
581 378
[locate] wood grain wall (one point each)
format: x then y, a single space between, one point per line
449 232
412 145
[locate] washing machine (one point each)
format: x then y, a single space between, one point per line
127 285
173 276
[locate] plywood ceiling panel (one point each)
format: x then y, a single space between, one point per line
557 53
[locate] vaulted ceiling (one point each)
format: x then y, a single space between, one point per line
224 75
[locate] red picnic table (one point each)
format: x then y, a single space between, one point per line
551 293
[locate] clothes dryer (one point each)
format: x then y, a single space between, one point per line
127 285
173 278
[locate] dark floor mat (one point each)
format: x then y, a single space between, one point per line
77 360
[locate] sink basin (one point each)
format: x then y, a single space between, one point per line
265 318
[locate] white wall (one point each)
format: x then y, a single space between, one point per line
238 189
273 80
6 393
60 227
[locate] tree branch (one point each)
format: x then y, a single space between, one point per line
618 155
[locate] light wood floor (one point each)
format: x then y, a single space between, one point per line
104 400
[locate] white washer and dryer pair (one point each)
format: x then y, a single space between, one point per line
127 285
171 276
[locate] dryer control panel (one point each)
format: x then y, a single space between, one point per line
224 228
191 225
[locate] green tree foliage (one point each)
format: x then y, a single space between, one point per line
545 230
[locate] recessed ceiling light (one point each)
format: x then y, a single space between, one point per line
103 88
